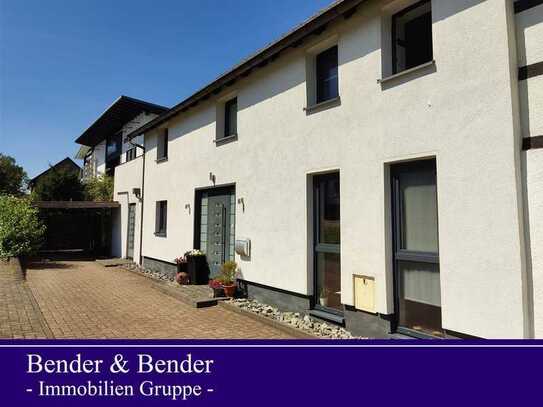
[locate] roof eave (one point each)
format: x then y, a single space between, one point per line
259 59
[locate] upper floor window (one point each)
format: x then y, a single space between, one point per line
113 146
130 154
412 37
231 118
326 64
161 218
162 145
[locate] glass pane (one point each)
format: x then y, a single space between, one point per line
419 211
329 210
420 296
413 37
329 280
327 75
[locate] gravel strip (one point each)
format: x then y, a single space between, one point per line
295 319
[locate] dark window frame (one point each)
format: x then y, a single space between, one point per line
394 34
162 145
325 63
130 154
318 246
399 254
161 218
230 130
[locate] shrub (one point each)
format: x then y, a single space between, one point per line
228 273
99 188
21 230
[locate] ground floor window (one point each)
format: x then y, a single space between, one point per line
416 253
326 202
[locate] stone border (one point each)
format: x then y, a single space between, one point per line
295 332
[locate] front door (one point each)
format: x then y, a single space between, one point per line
216 226
327 243
416 250
130 231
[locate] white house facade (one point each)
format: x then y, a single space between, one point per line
382 164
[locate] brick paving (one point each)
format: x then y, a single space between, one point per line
20 316
81 299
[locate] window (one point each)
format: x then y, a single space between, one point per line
161 218
231 118
130 154
412 37
327 75
162 145
113 147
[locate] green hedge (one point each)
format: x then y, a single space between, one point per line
21 230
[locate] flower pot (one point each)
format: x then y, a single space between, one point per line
229 290
182 267
198 269
323 301
182 278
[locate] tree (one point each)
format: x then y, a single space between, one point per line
13 177
21 230
99 188
58 185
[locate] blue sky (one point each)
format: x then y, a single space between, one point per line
63 62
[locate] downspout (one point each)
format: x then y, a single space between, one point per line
520 175
142 192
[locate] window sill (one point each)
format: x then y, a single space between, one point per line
160 234
225 140
327 104
161 160
406 72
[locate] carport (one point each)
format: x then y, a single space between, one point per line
82 226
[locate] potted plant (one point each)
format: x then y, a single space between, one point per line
216 286
323 297
182 276
197 267
228 278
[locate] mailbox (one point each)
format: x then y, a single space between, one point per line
243 247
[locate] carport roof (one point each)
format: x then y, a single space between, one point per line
115 117
75 205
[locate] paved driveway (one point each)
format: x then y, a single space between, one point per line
81 299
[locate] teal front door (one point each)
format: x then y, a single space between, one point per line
216 226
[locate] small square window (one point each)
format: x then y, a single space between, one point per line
412 37
162 145
231 118
327 75
161 218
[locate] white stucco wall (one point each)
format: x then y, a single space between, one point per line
461 114
127 177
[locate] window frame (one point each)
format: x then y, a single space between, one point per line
161 218
394 33
227 122
130 154
319 83
162 145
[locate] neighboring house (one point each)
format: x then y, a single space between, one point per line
384 160
64 165
104 147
